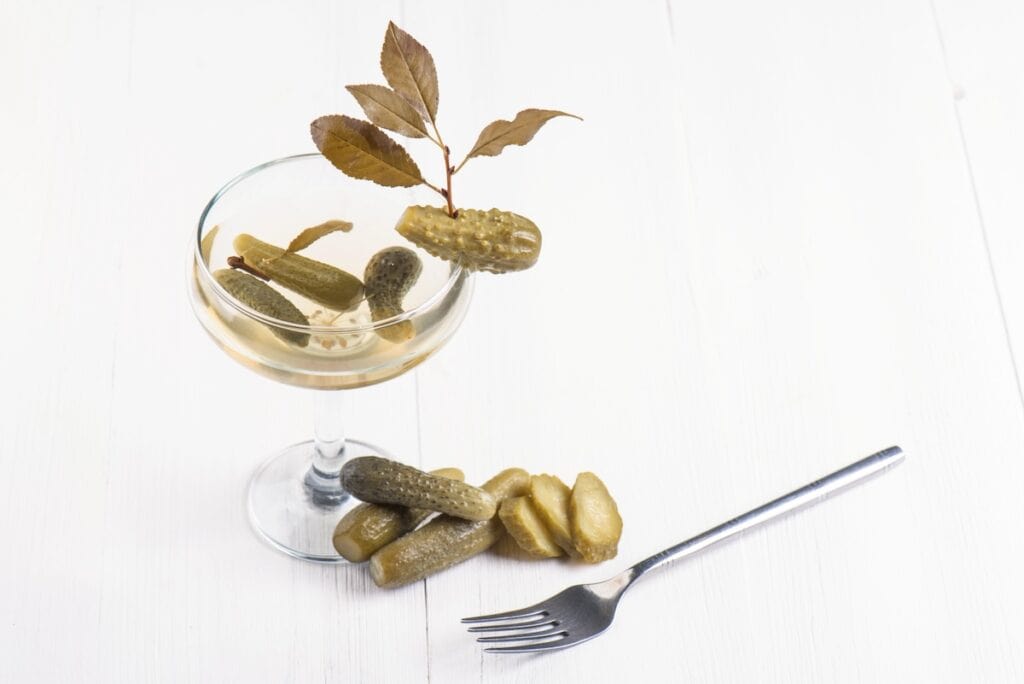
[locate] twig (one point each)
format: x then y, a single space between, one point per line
238 262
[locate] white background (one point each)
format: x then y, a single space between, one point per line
787 234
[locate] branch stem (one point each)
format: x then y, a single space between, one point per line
448 170
238 263
433 187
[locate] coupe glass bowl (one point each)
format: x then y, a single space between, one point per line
295 497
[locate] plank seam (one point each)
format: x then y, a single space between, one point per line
977 205
419 451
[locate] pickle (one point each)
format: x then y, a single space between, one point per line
368 527
206 245
379 480
445 541
524 525
550 497
595 520
257 295
389 276
495 241
320 282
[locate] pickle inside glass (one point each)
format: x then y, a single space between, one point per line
259 296
325 284
389 276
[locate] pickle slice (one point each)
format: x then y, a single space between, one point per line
259 296
379 480
315 280
389 276
369 527
594 518
525 526
495 241
445 541
550 497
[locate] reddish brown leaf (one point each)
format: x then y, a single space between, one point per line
361 150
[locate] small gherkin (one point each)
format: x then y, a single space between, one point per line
495 241
332 287
389 276
259 296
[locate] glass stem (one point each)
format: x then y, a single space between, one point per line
323 482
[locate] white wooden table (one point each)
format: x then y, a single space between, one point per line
786 235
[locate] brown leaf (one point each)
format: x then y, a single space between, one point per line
361 150
496 136
314 233
409 69
388 109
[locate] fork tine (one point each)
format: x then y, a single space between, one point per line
562 642
554 631
522 612
505 626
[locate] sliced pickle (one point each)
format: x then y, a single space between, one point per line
550 497
389 276
594 518
259 296
494 240
320 282
524 525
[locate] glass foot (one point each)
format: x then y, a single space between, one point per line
294 508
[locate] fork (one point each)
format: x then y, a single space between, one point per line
584 611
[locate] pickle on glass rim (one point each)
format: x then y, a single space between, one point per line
389 276
315 280
495 241
259 296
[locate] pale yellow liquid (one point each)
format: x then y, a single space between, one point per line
309 195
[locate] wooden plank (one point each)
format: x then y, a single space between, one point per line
767 261
982 52
133 437
762 261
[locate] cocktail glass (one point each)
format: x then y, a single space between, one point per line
295 497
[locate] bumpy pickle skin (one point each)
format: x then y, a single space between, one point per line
527 529
369 527
329 286
445 541
594 518
259 296
380 480
389 276
550 498
495 241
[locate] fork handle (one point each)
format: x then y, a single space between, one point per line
814 492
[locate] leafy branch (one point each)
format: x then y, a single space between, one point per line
408 107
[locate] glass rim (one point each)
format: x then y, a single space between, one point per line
224 295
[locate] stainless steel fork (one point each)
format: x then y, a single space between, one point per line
582 612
